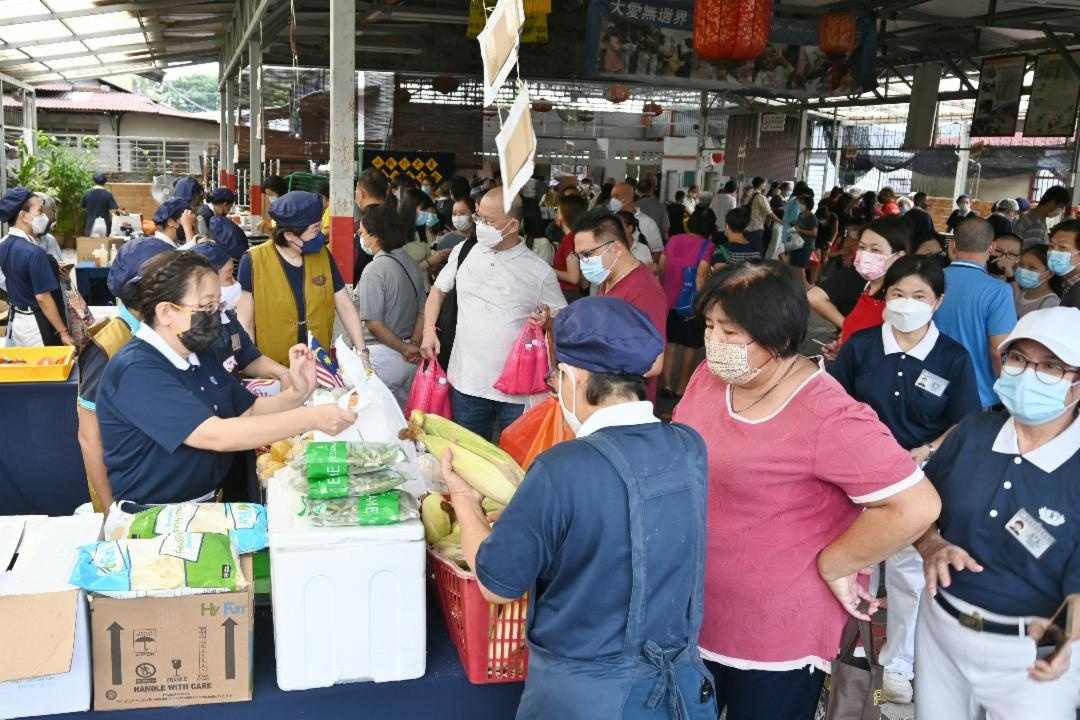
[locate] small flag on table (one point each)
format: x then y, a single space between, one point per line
326 370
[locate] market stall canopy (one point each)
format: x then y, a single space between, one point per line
57 40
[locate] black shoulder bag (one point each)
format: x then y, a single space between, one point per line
446 324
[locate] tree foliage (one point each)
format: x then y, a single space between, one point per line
59 170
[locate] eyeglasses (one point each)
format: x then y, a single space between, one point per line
586 254
212 308
1049 372
1003 254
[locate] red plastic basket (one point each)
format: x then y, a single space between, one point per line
490 639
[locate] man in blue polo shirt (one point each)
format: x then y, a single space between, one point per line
1004 557
978 310
33 283
98 202
614 612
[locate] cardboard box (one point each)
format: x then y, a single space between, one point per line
85 246
44 631
161 652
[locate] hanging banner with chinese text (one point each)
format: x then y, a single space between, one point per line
652 41
998 104
1054 95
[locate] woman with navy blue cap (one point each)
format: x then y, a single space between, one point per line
606 534
223 230
1004 557
36 303
292 286
174 221
234 348
106 339
920 383
170 416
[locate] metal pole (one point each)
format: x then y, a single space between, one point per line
703 131
963 158
1074 176
232 93
342 133
838 138
3 142
800 147
255 117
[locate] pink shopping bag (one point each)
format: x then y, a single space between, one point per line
527 366
430 390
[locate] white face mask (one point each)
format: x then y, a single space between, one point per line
39 224
487 235
907 314
230 295
462 222
615 205
569 415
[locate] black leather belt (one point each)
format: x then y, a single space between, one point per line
27 310
974 621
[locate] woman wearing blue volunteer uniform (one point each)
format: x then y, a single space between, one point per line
920 383
234 348
170 416
606 534
1005 554
36 315
222 229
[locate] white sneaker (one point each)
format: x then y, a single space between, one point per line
897 688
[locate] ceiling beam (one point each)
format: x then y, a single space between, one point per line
1064 52
960 74
239 46
902 100
174 8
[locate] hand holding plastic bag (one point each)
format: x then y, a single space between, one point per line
430 390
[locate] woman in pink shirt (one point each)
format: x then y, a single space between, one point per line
806 488
691 249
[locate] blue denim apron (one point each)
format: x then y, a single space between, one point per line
645 682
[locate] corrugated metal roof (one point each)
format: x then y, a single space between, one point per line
105 102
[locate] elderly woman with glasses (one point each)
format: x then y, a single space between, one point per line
1003 559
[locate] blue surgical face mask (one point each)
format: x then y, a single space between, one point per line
1029 399
1059 262
365 248
615 205
314 245
426 219
593 270
1027 279
133 322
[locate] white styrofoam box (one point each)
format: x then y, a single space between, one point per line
43 611
349 603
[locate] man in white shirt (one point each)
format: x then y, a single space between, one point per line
723 203
622 198
501 285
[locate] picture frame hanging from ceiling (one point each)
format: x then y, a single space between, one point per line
516 143
499 42
1055 97
997 106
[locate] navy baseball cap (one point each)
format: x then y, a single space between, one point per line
187 187
100 178
129 260
217 254
297 209
1023 203
12 202
222 195
606 335
171 209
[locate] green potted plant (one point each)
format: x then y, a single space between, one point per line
61 171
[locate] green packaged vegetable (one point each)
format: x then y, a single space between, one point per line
353 485
386 508
334 459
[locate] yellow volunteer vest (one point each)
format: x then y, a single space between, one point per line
109 335
276 314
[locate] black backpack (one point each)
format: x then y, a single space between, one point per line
446 324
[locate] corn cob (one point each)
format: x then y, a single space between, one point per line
487 468
437 522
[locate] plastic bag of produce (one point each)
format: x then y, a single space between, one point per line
332 459
353 485
244 523
178 563
385 508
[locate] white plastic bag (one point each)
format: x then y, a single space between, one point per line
378 415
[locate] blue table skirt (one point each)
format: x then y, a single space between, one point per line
41 467
443 693
92 283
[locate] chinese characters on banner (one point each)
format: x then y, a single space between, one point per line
653 41
998 104
1054 95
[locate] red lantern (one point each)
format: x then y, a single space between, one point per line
542 106
731 29
838 33
651 109
617 94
